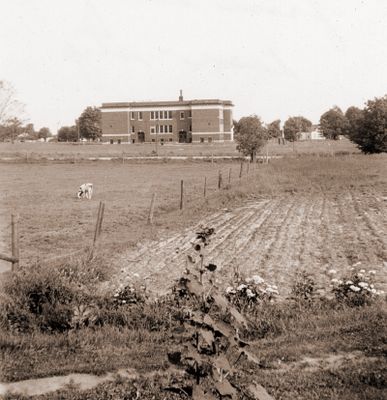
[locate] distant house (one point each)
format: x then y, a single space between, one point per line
182 121
313 134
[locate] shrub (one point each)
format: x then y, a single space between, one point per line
46 298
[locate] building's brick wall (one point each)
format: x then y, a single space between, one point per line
205 120
114 122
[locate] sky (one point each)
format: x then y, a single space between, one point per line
273 58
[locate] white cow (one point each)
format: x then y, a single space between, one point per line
85 190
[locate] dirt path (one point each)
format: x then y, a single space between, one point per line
275 238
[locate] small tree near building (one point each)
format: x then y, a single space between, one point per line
44 133
333 123
294 126
67 134
274 129
250 135
90 123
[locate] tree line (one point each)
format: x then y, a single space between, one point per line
366 127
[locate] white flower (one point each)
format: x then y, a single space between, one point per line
332 272
358 263
116 294
334 280
340 282
372 272
372 286
374 291
136 275
349 283
362 271
123 301
271 290
360 275
241 287
257 279
274 287
354 288
363 284
250 293
230 290
380 292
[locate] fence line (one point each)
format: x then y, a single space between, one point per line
14 258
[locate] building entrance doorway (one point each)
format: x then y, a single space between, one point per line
183 137
141 137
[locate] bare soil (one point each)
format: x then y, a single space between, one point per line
275 238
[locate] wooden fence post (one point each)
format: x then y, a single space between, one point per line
205 186
229 176
241 170
101 219
220 180
151 209
98 225
15 242
181 194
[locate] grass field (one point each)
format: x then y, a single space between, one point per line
294 214
62 151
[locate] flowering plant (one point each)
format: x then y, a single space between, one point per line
250 291
356 290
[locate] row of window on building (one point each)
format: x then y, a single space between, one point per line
154 115
202 140
159 129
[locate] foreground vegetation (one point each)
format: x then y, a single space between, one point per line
62 317
309 347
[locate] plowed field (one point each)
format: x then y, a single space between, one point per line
276 238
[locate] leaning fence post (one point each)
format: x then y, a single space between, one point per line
205 187
15 241
97 229
101 219
151 209
181 194
229 176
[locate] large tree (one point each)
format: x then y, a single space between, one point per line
354 117
333 123
370 127
274 129
294 126
90 123
250 135
67 134
11 112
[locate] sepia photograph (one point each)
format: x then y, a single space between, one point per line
193 200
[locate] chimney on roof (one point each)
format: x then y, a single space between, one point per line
181 95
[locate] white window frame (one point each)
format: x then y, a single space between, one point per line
153 128
182 113
140 115
133 115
